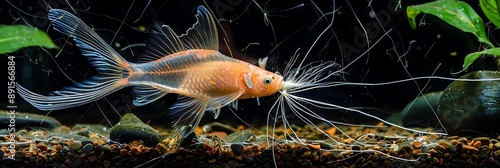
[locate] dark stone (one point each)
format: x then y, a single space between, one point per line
237 148
87 148
248 160
29 120
421 111
106 148
469 108
85 129
8 162
132 128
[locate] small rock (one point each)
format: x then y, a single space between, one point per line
75 146
132 128
24 120
417 144
7 162
306 155
106 148
87 148
496 153
248 160
19 154
237 148
497 145
83 131
420 112
42 146
65 149
452 148
93 128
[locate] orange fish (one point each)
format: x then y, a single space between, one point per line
189 65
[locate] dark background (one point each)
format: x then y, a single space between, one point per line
122 23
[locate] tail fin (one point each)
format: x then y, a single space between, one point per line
112 68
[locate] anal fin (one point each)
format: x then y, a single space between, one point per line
147 94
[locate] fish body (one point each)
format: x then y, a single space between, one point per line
204 75
189 65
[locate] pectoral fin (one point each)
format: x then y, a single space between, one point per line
222 101
189 111
248 80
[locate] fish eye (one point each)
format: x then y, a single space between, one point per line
267 81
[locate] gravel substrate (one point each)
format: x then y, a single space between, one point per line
369 147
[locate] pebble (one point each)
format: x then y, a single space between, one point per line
106 148
435 160
306 155
440 148
248 160
29 120
75 145
314 146
417 144
83 132
452 148
418 112
497 145
469 148
42 146
87 148
131 128
425 149
237 148
496 153
454 142
19 154
484 140
8 162
65 149
477 144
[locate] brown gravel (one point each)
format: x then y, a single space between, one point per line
369 147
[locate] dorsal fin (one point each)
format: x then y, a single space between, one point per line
203 34
164 41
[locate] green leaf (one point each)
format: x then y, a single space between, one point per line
456 13
490 9
412 14
473 56
14 37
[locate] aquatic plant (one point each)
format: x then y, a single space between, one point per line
15 37
462 16
474 96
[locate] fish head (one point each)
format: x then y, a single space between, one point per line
259 82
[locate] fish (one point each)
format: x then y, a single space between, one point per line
189 65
